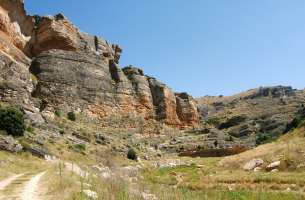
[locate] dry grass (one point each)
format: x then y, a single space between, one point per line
69 186
289 148
211 182
224 179
19 163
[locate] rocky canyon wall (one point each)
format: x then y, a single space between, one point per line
47 59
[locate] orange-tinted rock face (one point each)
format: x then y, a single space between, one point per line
187 109
15 30
55 33
77 71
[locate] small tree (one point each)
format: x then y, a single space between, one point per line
12 121
71 116
132 155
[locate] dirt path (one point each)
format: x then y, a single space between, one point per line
8 181
30 190
21 187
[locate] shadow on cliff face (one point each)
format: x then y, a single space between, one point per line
214 152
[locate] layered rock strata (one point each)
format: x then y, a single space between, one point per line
47 59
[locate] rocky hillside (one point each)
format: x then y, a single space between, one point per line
49 67
47 64
261 114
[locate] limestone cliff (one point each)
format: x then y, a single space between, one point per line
50 60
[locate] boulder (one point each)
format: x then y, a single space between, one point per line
252 164
39 152
257 169
33 116
273 166
8 143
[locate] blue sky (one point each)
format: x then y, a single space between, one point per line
204 47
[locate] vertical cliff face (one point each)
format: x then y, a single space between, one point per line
15 32
77 71
15 26
187 109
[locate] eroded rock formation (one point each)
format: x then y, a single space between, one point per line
49 59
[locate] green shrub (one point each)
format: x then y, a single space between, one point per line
213 121
132 155
37 21
59 113
61 132
79 148
25 144
30 129
263 138
12 121
71 116
297 121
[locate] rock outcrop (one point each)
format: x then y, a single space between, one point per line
15 26
48 60
8 143
54 33
15 33
263 114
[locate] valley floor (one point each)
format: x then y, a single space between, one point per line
24 177
93 172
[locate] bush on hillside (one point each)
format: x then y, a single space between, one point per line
59 113
37 21
71 116
213 121
263 138
298 119
12 121
132 155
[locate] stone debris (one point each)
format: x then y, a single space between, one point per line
252 164
91 194
8 143
273 166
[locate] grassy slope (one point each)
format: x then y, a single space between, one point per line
19 163
289 148
223 178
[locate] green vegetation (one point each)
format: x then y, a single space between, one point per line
79 148
71 116
61 132
12 121
132 155
297 121
213 121
30 129
263 138
59 113
37 20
